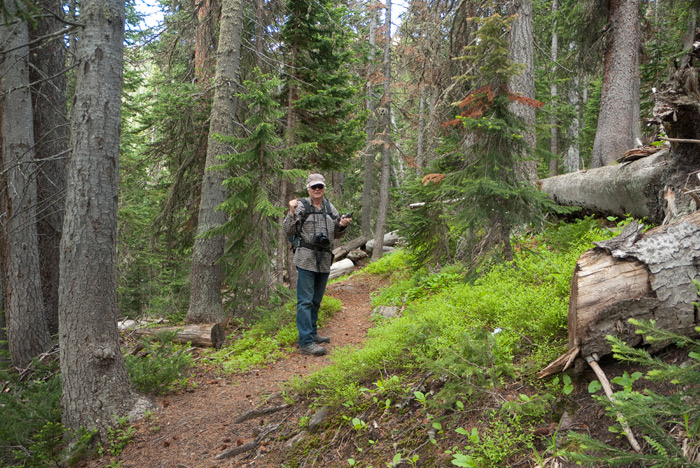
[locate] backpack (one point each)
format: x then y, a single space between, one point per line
295 239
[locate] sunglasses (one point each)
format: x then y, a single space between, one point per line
317 187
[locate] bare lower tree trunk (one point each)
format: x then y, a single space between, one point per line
420 143
618 123
206 275
572 154
48 60
370 127
554 131
383 209
288 187
522 52
95 384
27 328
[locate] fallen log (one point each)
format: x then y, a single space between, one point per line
344 249
634 188
209 335
641 275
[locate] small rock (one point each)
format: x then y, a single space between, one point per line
295 440
386 311
318 419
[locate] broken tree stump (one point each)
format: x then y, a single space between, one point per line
209 335
641 275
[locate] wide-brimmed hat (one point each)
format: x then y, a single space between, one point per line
315 179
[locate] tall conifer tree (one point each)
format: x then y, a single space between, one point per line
317 38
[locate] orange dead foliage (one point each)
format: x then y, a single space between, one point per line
478 101
432 178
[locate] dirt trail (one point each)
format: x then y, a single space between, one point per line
195 426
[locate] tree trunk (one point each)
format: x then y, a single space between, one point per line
420 143
27 328
522 52
48 60
95 384
618 123
206 275
386 141
554 130
205 40
572 154
646 276
209 335
288 187
370 126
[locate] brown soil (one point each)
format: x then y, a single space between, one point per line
195 426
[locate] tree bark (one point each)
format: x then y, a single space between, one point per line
618 119
210 335
206 275
386 140
554 130
370 126
48 61
27 329
572 154
522 52
646 276
641 188
635 188
95 384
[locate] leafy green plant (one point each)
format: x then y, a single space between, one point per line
161 367
503 437
118 436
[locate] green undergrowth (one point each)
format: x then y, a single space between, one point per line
522 305
271 337
458 367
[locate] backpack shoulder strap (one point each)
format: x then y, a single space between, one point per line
307 210
329 210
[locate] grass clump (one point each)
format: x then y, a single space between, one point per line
271 337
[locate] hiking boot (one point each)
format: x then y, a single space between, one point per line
318 338
313 349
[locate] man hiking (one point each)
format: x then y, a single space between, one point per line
311 224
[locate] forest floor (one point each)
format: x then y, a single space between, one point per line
195 426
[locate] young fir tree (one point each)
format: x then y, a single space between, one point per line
322 88
478 190
255 168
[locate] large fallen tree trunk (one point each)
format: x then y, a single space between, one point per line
641 275
657 187
210 335
635 188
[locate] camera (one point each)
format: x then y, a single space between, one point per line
322 240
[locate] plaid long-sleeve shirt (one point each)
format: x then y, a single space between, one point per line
315 223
